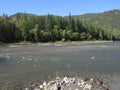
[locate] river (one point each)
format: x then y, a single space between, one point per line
23 64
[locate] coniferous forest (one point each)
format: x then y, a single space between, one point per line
49 28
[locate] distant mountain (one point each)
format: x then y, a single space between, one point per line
107 20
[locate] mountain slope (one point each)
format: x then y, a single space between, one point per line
96 26
108 20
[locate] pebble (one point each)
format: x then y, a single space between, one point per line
92 57
76 89
41 86
23 57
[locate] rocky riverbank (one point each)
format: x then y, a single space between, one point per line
67 83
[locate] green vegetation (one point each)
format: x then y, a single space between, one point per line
50 28
108 20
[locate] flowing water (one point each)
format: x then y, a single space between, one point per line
23 64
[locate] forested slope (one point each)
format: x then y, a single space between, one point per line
109 20
34 28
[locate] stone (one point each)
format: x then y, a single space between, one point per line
67 83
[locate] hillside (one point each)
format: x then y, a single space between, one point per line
35 28
107 20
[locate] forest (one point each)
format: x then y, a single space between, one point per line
49 28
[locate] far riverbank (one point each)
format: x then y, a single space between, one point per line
54 43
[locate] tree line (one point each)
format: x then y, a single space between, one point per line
49 28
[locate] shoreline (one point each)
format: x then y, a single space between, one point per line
94 82
111 81
57 42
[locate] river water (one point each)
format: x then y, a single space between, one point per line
30 63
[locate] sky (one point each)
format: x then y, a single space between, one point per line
57 7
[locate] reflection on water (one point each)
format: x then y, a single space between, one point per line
25 63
